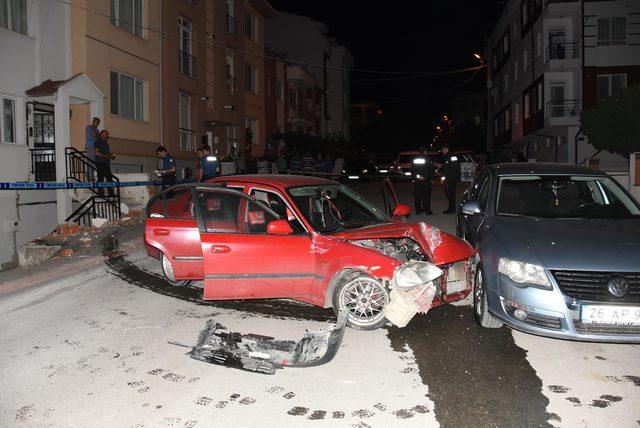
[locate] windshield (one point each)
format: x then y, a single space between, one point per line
563 197
334 207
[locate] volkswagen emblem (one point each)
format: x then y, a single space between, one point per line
618 286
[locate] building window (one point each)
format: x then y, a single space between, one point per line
507 119
13 15
527 105
293 99
610 85
538 45
186 61
250 25
524 13
127 96
251 131
540 97
230 21
280 92
8 125
516 112
525 60
127 14
187 136
251 78
612 31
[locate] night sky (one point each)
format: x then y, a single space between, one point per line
395 36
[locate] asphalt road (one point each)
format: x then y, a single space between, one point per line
92 350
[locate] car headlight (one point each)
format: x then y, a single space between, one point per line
523 273
415 273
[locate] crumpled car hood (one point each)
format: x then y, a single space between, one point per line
577 244
441 247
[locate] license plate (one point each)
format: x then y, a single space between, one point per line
610 314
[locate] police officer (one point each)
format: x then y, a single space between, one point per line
168 170
450 175
209 164
422 172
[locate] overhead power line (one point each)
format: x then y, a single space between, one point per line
399 74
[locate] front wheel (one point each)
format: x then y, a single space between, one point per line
365 298
480 305
167 270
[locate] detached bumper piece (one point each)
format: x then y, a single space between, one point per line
262 354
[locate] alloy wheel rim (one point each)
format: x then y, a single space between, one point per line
365 298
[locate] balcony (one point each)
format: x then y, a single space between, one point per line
563 108
562 51
231 24
187 64
231 85
187 140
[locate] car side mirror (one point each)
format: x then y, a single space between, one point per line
471 208
401 210
279 227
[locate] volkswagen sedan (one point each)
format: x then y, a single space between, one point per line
558 251
304 238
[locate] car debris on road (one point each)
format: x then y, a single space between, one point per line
263 354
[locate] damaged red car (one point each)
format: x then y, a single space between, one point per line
308 239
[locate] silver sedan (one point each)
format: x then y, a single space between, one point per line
558 251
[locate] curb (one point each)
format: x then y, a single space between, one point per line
57 273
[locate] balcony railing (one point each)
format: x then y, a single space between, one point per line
43 164
231 24
563 108
231 85
563 51
187 64
187 140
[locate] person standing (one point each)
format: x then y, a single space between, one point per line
199 161
450 176
422 172
91 135
210 164
168 169
103 157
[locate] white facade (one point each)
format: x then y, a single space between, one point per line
542 66
327 60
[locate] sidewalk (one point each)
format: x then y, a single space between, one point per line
105 243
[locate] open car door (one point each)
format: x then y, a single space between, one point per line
389 197
242 260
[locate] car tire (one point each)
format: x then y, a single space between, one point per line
167 271
361 293
480 305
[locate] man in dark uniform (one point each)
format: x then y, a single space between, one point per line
168 169
422 172
103 161
209 164
450 175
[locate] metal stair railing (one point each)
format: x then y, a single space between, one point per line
79 168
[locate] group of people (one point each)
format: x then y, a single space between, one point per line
298 161
423 173
97 145
207 166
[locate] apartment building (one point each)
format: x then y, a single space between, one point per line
549 60
328 61
117 45
213 74
304 97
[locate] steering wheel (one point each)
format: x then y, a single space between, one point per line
583 206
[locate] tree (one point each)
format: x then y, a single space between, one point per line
614 124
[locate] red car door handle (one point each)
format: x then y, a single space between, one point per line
161 232
220 249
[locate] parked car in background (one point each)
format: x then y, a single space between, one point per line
303 238
558 251
357 169
384 166
405 161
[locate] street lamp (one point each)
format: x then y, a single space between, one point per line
477 56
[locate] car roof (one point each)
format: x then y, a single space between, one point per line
543 168
279 180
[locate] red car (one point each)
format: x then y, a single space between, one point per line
303 238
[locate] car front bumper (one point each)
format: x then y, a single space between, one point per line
550 313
